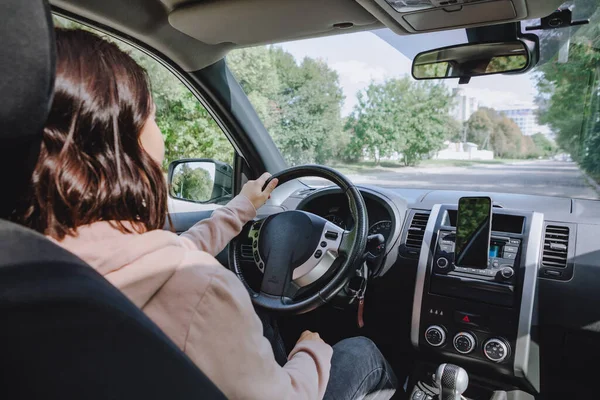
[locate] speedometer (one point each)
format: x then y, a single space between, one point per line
383 227
337 220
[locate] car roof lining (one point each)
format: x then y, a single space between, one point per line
208 29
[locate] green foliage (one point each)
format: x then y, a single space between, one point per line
569 95
400 116
506 63
300 104
544 146
435 70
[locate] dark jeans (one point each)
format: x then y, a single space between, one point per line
358 369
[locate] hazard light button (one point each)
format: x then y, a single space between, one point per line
468 318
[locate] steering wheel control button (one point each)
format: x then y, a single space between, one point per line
435 336
442 262
261 266
331 235
496 350
464 342
323 244
256 257
318 254
507 272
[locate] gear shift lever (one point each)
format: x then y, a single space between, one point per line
452 381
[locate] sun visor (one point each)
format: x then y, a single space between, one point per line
266 21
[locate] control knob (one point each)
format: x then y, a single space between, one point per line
435 335
442 262
496 350
464 342
507 272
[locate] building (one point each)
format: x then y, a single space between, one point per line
464 106
462 151
526 119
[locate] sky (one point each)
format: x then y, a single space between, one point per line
364 57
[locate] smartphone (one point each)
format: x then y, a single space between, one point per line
473 232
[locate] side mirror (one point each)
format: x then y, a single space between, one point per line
201 180
475 59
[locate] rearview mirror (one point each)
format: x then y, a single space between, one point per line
473 59
201 181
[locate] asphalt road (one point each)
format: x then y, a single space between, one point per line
550 178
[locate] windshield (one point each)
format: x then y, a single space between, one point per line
349 102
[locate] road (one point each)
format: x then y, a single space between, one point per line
551 178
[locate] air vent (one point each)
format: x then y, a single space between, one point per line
247 252
556 246
416 231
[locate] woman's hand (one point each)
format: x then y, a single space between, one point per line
253 190
308 335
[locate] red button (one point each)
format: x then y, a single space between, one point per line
468 318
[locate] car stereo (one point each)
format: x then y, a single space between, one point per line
500 265
480 314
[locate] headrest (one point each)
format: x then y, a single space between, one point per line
27 61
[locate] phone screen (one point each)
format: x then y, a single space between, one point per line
473 232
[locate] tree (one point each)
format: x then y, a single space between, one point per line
568 92
491 130
481 126
544 146
300 104
400 115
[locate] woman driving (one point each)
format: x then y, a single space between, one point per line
98 190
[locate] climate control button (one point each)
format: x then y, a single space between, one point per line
496 350
464 342
435 335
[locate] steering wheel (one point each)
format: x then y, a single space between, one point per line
305 259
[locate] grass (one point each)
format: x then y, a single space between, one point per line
370 166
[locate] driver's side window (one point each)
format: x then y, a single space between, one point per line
201 177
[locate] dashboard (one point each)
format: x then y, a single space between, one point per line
334 208
528 327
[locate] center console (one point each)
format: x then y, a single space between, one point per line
482 317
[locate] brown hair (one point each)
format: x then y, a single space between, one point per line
92 166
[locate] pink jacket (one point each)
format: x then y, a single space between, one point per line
202 306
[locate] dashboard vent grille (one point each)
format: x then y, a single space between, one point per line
247 252
416 231
556 246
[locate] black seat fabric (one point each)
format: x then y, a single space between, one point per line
26 81
65 332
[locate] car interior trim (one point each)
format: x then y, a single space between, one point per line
532 262
424 260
